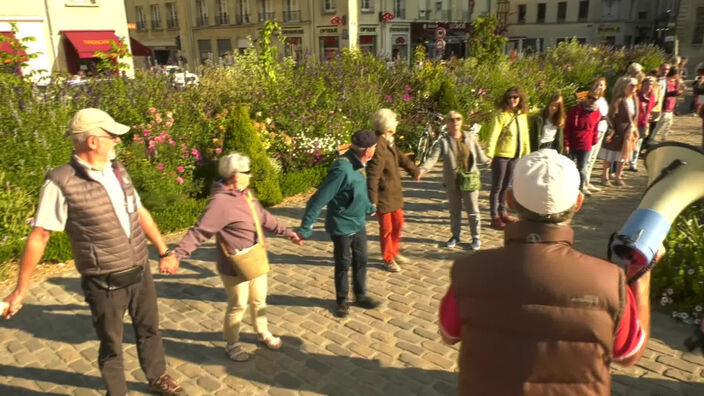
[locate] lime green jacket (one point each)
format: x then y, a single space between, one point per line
503 137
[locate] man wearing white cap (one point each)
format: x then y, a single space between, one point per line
536 316
92 198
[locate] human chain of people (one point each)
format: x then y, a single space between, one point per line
564 313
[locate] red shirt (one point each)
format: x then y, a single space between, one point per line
628 339
581 128
646 107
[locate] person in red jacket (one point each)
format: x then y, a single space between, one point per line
647 100
581 133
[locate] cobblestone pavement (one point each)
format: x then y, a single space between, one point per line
50 346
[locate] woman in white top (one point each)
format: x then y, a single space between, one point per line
546 127
603 106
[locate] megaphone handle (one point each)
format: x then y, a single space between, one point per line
642 271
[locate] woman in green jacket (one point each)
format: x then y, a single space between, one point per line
508 141
546 127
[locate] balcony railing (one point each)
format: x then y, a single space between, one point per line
141 25
172 23
264 16
243 19
222 19
202 20
424 14
292 16
156 24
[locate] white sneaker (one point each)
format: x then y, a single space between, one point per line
452 242
476 243
402 259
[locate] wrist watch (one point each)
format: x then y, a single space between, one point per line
166 253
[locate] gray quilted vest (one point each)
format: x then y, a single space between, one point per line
99 243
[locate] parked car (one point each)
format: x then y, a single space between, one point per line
181 78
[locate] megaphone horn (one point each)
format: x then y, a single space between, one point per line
675 181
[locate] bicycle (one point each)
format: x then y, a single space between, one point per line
434 129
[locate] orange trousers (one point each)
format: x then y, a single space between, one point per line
390 225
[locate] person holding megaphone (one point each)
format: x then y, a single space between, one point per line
563 313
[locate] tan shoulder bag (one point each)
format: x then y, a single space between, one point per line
253 262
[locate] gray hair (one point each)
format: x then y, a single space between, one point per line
80 139
384 120
232 163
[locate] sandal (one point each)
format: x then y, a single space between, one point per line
271 342
619 182
236 352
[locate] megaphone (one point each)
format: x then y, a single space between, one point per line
675 181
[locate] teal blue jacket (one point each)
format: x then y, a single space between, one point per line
344 191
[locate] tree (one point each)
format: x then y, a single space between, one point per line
486 43
109 61
14 60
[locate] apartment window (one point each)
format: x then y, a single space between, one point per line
698 33
222 17
201 13
171 16
541 13
292 12
224 47
583 11
205 51
642 15
243 12
561 11
141 21
400 9
521 13
156 16
366 5
328 6
265 11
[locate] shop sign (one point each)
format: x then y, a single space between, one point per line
296 31
367 29
400 28
609 29
440 44
400 40
327 30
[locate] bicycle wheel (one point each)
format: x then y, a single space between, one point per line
422 149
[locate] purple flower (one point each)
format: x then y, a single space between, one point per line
406 97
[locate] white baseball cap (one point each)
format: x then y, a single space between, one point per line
545 182
88 119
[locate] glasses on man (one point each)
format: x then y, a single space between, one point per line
114 138
245 172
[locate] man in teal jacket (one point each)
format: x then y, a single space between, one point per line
344 191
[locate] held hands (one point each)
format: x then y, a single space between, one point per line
12 304
168 265
296 238
417 178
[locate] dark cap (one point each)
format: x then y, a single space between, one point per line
364 138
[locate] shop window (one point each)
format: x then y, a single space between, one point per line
329 47
205 51
367 44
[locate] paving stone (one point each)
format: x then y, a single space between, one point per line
678 363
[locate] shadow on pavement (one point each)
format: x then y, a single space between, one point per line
655 386
300 260
16 390
59 377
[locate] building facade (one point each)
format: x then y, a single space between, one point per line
690 33
66 32
534 25
193 32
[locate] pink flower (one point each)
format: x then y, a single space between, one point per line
388 99
171 142
218 150
407 88
406 97
145 132
179 180
196 154
180 168
185 154
160 166
152 110
168 124
332 111
157 119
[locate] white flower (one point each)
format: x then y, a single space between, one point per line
684 315
698 308
675 314
670 291
690 271
663 301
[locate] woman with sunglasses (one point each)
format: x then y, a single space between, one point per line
582 133
508 140
229 216
460 150
620 142
547 127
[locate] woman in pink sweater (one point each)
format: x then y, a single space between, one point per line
582 133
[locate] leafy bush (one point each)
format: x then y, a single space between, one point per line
678 279
300 181
181 215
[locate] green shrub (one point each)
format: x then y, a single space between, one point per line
300 181
241 136
179 216
678 279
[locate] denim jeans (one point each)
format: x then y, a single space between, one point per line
350 250
582 158
501 177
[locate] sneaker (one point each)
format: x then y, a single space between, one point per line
593 188
166 385
632 169
586 192
452 242
391 266
342 310
497 223
476 243
507 218
367 302
402 259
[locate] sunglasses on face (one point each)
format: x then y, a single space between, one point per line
514 97
591 98
111 137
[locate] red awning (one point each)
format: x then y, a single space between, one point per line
86 42
139 49
6 47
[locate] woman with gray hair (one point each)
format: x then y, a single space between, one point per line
385 190
229 216
460 150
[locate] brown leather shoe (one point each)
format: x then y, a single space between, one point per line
507 218
166 385
497 223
